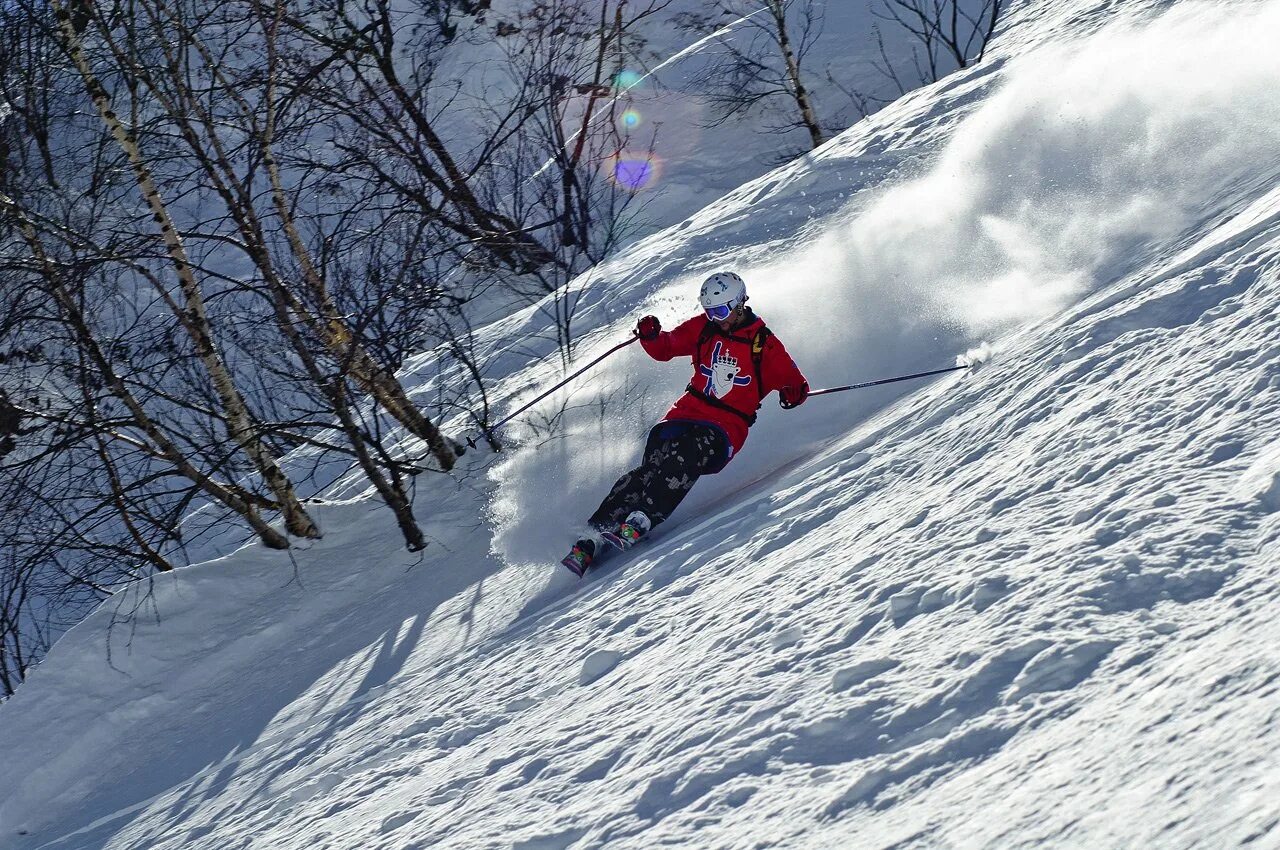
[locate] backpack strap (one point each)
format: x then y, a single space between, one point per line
709 330
757 356
749 418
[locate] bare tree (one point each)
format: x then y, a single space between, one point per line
570 56
239 220
191 312
763 46
347 62
23 635
944 35
247 100
162 444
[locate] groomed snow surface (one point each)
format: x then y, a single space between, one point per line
1031 605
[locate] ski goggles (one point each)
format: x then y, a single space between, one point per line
719 314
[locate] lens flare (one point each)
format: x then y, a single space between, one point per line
627 80
634 171
630 119
633 174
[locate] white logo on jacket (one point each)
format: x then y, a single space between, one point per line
722 375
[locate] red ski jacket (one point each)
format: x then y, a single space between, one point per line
732 372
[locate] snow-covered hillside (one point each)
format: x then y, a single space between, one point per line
1027 606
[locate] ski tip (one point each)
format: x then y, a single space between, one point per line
614 540
573 567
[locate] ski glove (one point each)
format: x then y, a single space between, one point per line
790 397
649 327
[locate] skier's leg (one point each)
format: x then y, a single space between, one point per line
629 490
676 454
679 462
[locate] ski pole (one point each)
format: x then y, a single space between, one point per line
813 393
471 441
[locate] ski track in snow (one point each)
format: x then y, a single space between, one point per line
1029 606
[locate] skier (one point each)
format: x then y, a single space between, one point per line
737 361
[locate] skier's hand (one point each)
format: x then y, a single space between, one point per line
790 397
649 327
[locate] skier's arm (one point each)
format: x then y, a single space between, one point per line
680 342
778 370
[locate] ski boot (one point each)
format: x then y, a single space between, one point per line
635 526
580 556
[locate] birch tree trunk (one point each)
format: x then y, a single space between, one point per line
801 94
165 447
193 317
329 326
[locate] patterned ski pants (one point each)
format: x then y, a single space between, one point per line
675 455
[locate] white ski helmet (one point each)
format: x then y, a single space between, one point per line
723 289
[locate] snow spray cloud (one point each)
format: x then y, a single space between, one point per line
1090 160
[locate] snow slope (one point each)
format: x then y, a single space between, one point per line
1029 606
